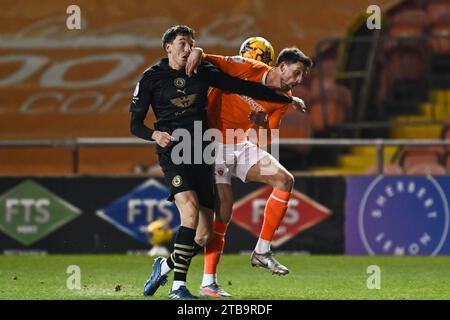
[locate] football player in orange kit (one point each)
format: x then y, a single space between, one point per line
234 115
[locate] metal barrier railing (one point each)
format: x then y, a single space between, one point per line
75 144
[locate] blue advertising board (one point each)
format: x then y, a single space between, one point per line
397 215
132 212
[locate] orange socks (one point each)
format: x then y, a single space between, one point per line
274 212
214 249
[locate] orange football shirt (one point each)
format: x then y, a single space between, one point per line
230 111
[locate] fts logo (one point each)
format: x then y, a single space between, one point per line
403 216
29 212
302 213
134 211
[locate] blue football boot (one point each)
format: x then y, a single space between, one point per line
156 279
181 293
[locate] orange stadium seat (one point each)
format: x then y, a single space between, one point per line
303 92
344 97
413 17
436 9
328 84
296 125
406 30
422 160
402 76
406 62
388 169
447 161
438 150
338 103
335 115
426 169
441 28
327 67
406 23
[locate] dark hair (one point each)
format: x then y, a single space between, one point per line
175 31
294 55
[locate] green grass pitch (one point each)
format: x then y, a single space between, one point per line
311 277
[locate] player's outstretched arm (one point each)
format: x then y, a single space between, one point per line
223 81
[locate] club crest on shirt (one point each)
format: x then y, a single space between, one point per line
179 83
177 181
220 170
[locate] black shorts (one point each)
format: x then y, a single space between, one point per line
189 177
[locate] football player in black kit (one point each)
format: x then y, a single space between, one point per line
178 101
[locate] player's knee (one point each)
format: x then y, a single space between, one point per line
204 238
285 181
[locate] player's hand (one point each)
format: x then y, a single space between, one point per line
163 139
194 60
259 118
299 104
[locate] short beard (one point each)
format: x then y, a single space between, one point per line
285 86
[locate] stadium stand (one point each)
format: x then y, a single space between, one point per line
401 80
437 10
440 46
410 96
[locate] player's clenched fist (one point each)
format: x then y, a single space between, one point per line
163 139
194 60
299 104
